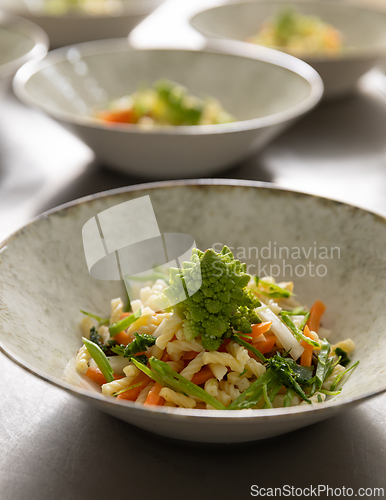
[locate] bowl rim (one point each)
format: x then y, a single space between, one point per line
350 54
29 29
220 49
126 11
225 415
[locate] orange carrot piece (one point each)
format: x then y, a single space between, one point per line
132 394
202 376
153 398
316 313
119 116
165 356
265 346
122 338
125 315
96 375
189 355
306 358
260 329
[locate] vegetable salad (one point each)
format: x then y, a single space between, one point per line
165 103
237 342
296 32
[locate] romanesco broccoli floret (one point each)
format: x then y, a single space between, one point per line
210 293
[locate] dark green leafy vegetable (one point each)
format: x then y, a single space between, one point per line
100 359
97 339
291 374
164 375
344 359
139 344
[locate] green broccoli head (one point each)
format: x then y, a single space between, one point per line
210 293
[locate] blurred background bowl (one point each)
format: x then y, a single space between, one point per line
20 41
364 33
265 93
75 25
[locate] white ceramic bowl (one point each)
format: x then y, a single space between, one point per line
364 31
265 92
20 41
78 26
44 282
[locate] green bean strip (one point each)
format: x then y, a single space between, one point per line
127 389
164 375
339 377
124 323
100 359
296 332
101 321
289 395
272 395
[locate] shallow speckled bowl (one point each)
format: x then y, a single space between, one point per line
265 92
20 41
364 31
78 25
44 282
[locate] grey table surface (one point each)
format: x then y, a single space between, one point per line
53 446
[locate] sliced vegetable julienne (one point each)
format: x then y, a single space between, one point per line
330 393
164 375
289 395
101 321
252 395
298 311
250 347
274 291
126 389
298 334
341 375
324 363
272 395
282 332
100 359
124 323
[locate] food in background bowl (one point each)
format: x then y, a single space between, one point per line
97 7
236 342
165 103
305 34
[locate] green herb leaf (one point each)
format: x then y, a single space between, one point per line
97 339
325 364
344 359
